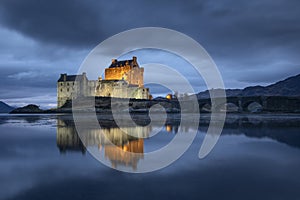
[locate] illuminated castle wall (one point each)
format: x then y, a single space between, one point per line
128 70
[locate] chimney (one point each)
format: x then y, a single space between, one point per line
63 76
134 59
113 61
84 75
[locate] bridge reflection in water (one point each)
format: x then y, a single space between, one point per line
111 141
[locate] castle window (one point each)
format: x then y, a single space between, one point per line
61 84
61 90
67 89
67 84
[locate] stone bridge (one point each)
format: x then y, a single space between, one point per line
250 104
253 104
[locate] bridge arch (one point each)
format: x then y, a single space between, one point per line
205 107
228 107
252 106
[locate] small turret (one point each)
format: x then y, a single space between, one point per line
134 59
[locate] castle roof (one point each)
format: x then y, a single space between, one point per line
70 78
119 63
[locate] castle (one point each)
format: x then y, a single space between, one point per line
123 79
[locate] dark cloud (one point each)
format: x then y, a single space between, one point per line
78 23
243 31
252 42
60 22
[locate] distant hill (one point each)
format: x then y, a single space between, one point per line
4 108
287 87
31 108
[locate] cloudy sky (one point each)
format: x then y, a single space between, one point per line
252 42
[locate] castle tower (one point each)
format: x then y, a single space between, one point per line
71 86
128 70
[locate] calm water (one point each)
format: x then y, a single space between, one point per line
42 157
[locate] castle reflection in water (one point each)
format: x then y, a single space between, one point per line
118 147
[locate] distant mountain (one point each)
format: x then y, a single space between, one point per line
4 108
287 87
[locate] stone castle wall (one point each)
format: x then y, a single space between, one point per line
120 89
